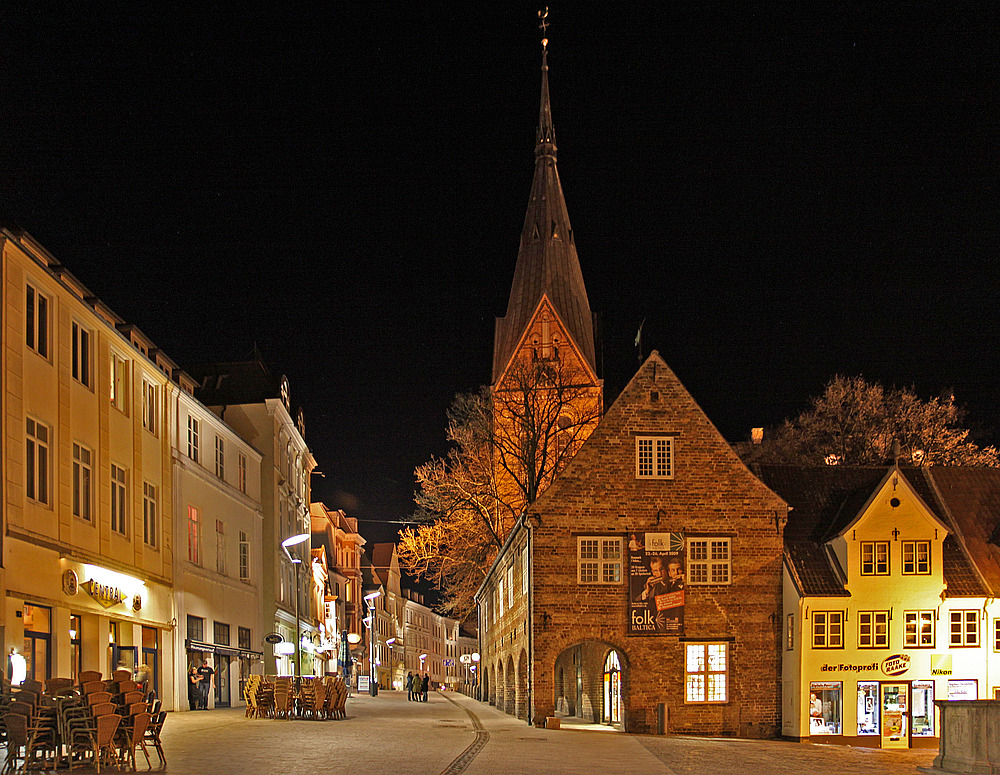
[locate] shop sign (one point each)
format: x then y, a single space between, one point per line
940 664
104 594
897 664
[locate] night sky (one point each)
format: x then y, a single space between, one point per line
782 193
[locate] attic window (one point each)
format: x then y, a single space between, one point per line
555 231
654 396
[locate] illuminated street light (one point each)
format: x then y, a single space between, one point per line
295 540
370 621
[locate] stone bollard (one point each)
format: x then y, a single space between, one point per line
970 736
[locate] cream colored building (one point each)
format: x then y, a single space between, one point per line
217 565
87 502
256 403
890 589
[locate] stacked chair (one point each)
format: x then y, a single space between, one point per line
284 697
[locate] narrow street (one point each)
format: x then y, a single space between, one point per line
452 734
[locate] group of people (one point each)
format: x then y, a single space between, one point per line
417 687
199 685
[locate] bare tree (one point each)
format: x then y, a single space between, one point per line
510 442
856 422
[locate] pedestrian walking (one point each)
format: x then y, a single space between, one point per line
425 684
409 685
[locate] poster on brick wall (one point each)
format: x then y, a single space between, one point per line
656 583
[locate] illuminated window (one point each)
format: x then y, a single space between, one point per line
119 500
36 463
194 535
83 477
599 559
916 557
149 514
654 457
918 629
790 632
964 628
828 629
81 354
706 672
36 322
874 558
873 629
709 561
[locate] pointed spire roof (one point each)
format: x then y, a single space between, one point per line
547 263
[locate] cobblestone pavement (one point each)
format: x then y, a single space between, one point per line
453 735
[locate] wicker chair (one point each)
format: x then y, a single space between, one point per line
135 737
88 676
153 734
17 741
104 740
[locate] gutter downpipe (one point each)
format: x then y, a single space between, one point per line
531 620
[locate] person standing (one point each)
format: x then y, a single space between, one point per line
194 688
206 672
409 685
425 684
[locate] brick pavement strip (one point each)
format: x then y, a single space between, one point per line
389 734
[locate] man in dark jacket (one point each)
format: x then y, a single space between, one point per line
409 685
425 684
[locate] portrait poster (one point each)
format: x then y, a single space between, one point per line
656 584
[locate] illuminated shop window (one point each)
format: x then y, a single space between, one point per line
868 708
825 707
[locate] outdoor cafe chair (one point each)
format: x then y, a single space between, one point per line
135 737
95 698
153 733
17 741
87 676
58 685
104 740
93 686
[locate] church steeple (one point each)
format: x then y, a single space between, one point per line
547 263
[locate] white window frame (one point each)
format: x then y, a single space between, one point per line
220 457
966 634
150 404
654 457
244 557
81 368
36 320
119 500
83 482
914 631
241 469
706 673
873 629
875 555
119 381
599 559
828 629
709 560
916 558
194 438
38 461
149 518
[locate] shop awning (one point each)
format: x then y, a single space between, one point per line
226 651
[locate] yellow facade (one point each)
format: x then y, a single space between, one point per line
86 474
866 668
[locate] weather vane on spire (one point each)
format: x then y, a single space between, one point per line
543 25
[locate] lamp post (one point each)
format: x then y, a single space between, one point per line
295 540
475 660
372 673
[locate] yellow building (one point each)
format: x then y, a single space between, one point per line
890 579
87 508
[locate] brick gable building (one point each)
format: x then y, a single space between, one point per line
649 572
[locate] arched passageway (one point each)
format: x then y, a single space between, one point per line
590 682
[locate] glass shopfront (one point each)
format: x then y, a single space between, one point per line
868 715
37 641
825 707
922 696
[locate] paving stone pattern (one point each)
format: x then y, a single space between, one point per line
458 736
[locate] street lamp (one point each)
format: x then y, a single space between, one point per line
372 672
475 678
296 561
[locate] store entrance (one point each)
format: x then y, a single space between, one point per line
895 715
222 662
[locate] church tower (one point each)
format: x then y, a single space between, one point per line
546 391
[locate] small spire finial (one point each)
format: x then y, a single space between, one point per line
543 25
